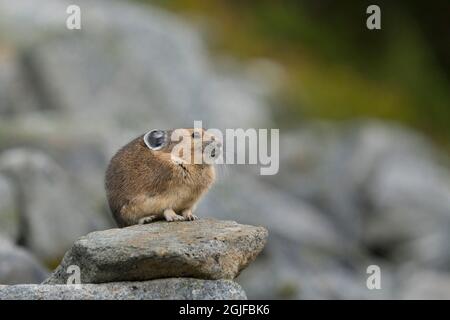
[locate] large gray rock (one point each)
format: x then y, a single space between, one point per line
19 266
55 211
170 289
205 249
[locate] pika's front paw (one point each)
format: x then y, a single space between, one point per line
187 214
170 215
146 220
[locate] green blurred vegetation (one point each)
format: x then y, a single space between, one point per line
336 68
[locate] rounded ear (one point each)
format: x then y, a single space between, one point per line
155 139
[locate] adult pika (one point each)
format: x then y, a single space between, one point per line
153 177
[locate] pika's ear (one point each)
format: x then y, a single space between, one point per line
155 139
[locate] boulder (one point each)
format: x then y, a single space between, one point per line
204 249
18 266
55 211
170 289
289 218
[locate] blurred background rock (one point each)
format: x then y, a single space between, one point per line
364 119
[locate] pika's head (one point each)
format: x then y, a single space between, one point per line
191 146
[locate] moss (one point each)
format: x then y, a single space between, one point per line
53 263
287 290
9 214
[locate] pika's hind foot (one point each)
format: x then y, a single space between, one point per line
170 215
187 214
147 219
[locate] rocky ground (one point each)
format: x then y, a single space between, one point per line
347 196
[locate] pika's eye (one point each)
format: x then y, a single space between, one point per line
155 139
196 135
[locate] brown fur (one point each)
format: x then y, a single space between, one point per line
143 185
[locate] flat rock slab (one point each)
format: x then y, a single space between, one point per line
163 289
202 249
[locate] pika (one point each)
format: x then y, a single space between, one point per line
150 179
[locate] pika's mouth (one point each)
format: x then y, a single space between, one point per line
215 152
